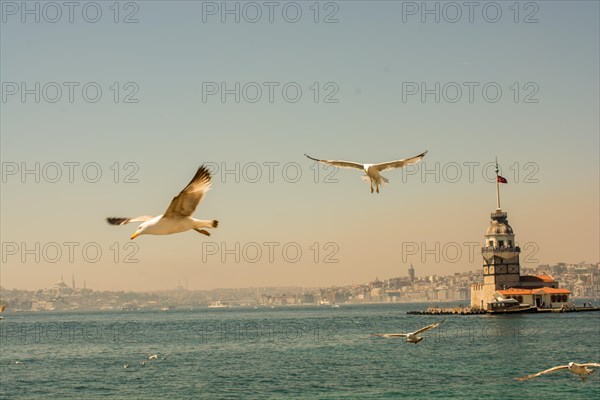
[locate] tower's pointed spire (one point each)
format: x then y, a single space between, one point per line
497 186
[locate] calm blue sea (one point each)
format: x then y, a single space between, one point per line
292 353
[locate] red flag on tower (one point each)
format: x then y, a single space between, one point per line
502 180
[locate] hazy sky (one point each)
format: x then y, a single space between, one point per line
384 82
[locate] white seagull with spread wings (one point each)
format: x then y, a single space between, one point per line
412 337
580 369
372 170
178 217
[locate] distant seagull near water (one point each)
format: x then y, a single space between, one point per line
372 170
178 217
580 369
410 337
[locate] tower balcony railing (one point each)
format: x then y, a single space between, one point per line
491 249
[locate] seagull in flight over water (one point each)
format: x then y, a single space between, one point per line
412 337
580 369
372 170
178 217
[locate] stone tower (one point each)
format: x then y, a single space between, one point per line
501 268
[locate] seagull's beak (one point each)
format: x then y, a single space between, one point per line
136 234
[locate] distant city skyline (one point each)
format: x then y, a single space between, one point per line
409 276
580 280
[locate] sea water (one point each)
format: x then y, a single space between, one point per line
293 353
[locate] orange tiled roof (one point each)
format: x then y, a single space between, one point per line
519 291
514 292
550 290
537 278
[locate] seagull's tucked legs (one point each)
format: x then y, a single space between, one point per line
198 223
585 376
205 224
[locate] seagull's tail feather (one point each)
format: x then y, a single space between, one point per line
385 180
118 220
124 221
366 179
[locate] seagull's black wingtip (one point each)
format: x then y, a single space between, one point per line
203 173
117 220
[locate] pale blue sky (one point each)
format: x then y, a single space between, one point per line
170 52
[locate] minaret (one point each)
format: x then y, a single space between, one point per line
501 269
411 273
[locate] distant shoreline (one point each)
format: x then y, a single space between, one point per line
197 307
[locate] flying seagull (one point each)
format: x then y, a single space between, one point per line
580 369
410 337
178 217
372 170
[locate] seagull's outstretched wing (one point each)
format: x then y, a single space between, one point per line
399 163
428 327
590 365
124 221
524 378
184 204
386 335
339 163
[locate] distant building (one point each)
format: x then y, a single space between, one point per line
42 305
411 273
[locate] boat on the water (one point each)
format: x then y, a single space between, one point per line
509 306
217 304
